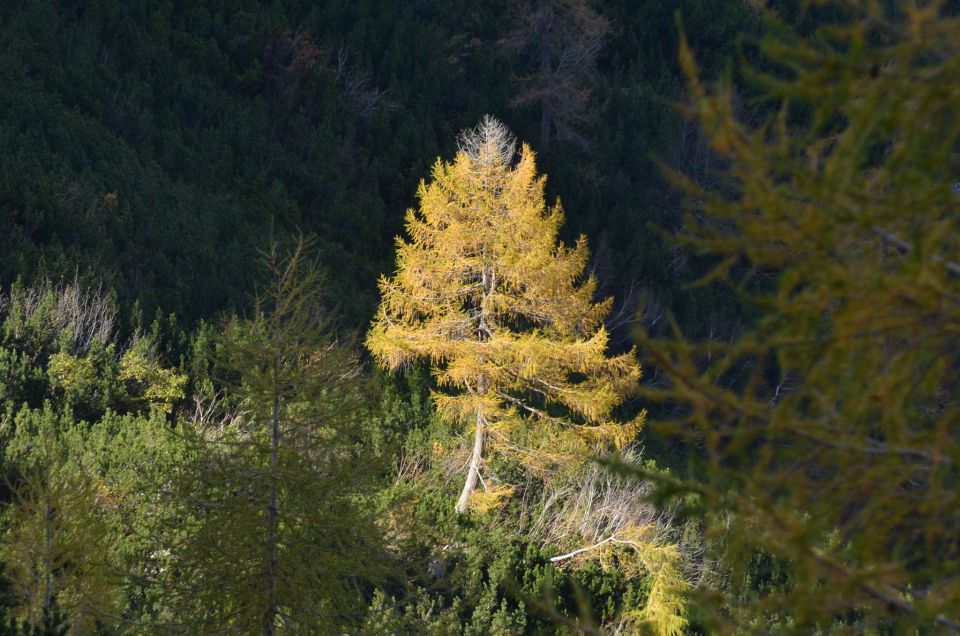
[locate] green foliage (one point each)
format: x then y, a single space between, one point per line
176 505
279 538
55 541
476 574
90 488
87 383
156 143
58 343
52 624
828 427
133 458
226 475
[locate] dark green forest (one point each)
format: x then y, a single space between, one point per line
668 293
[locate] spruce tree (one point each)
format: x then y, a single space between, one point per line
485 293
277 538
56 539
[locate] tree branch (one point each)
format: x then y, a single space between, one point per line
610 539
906 248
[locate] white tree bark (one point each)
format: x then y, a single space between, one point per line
473 473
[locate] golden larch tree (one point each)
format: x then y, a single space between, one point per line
504 313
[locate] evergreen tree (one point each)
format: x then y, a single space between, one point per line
56 540
484 292
278 543
827 429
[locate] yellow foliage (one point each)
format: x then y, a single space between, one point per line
603 519
486 293
159 385
70 371
660 560
492 498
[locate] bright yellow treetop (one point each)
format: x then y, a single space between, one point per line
484 291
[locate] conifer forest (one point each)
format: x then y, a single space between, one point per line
479 317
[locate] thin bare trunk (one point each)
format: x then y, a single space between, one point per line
488 278
48 551
269 619
473 475
546 115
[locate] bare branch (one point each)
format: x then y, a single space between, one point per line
491 141
905 248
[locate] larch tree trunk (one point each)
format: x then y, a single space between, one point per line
269 619
473 473
48 553
488 280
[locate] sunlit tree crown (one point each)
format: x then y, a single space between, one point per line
486 293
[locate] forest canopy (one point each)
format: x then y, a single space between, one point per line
479 317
